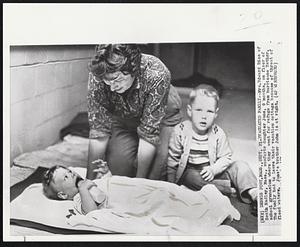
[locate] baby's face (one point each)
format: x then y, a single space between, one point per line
203 113
64 180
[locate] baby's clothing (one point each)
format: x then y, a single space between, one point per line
99 195
100 199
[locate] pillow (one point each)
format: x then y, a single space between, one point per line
32 205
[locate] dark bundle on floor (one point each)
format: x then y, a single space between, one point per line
79 126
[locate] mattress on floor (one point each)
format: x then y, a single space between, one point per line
247 223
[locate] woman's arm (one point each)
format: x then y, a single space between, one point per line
97 148
99 123
175 152
145 156
154 111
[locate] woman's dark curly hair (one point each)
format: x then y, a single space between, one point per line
116 57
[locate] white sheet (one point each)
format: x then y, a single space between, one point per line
136 206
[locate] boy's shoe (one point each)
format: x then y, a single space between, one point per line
253 209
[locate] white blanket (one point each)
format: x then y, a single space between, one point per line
135 206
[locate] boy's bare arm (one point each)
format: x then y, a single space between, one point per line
87 202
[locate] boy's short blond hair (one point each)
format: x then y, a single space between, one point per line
207 90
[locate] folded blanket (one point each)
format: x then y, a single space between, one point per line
72 151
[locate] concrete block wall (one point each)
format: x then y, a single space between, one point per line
48 88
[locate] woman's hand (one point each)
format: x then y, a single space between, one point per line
102 168
97 149
146 152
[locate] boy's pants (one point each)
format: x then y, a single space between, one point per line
122 148
238 174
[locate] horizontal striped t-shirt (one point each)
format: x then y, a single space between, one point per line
199 150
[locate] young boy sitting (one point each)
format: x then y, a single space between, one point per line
61 183
199 152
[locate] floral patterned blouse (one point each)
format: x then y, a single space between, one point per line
146 99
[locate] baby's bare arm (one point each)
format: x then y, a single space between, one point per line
87 202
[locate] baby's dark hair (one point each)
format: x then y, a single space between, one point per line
110 58
47 180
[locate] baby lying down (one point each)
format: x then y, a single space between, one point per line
140 206
61 183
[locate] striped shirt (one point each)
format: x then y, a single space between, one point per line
199 150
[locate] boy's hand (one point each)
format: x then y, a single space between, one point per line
102 167
86 184
207 174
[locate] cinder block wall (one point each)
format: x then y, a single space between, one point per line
48 88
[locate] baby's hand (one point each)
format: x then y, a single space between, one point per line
86 184
102 167
207 174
